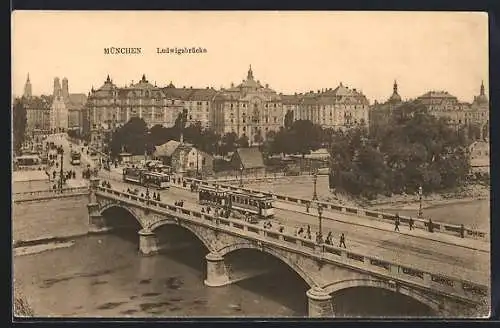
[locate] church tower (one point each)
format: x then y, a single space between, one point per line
395 97
65 90
57 88
250 73
27 88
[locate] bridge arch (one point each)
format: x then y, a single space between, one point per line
137 217
431 303
266 250
173 222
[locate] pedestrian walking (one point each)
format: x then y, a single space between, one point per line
396 223
307 207
342 241
410 223
430 225
462 231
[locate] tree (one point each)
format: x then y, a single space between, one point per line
228 142
304 136
19 121
415 149
132 137
288 119
243 141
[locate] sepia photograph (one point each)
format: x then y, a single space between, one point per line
258 164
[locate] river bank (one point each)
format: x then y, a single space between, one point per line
463 194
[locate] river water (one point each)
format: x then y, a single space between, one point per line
104 276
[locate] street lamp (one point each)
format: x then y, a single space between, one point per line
420 200
315 179
61 173
241 175
146 157
320 217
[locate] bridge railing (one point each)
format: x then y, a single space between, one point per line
438 227
396 272
44 194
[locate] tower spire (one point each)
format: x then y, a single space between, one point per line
250 73
27 88
395 87
482 88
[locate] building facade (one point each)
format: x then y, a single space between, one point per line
339 108
380 113
249 109
111 106
37 110
458 114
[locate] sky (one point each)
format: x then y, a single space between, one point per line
290 51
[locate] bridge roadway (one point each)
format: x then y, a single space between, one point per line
468 263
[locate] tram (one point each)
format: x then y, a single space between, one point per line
75 158
213 196
257 204
146 178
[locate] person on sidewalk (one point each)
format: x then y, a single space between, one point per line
342 241
396 223
430 225
462 231
410 223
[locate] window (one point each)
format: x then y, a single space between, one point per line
274 119
244 128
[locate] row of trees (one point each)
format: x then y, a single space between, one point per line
135 138
415 149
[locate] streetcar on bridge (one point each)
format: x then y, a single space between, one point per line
75 158
255 204
146 178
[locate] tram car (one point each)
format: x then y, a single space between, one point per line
255 203
145 178
213 196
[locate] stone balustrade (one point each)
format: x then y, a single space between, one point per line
48 194
438 227
340 256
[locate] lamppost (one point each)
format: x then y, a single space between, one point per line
241 175
320 217
420 200
146 157
61 172
315 179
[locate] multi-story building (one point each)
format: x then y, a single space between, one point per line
443 104
111 106
249 109
66 108
37 110
338 108
380 113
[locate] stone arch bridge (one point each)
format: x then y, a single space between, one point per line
325 268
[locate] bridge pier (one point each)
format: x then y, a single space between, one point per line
148 243
217 274
320 303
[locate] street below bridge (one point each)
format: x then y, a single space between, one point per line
453 260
